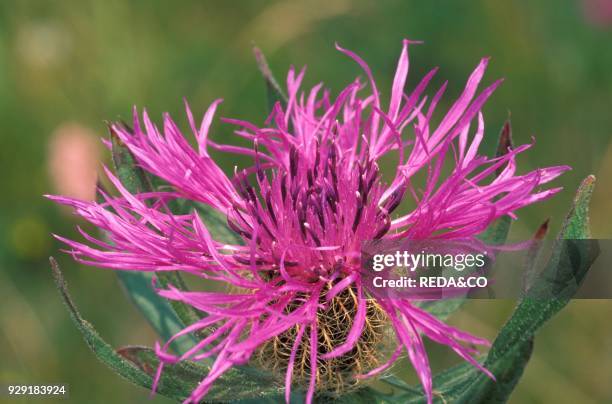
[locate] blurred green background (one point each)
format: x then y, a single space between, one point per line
67 66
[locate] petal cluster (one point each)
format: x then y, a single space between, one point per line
313 193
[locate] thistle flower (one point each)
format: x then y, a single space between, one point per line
296 302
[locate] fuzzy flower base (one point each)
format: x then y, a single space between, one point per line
296 302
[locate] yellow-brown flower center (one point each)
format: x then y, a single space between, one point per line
336 375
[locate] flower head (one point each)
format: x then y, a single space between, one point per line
296 302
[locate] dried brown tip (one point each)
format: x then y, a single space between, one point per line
505 139
542 230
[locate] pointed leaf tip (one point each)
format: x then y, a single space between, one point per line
57 275
262 63
585 189
60 282
274 91
101 349
576 224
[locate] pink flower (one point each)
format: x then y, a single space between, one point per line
598 12
73 161
297 302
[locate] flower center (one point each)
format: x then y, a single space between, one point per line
336 375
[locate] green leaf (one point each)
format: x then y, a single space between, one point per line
184 376
103 351
561 278
497 232
176 381
464 383
507 370
576 225
274 92
132 176
138 365
157 310
185 313
550 292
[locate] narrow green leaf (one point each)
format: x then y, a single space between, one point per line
447 385
550 292
157 310
176 381
507 370
463 383
103 351
133 177
566 268
185 376
138 365
497 232
274 92
186 314
576 225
